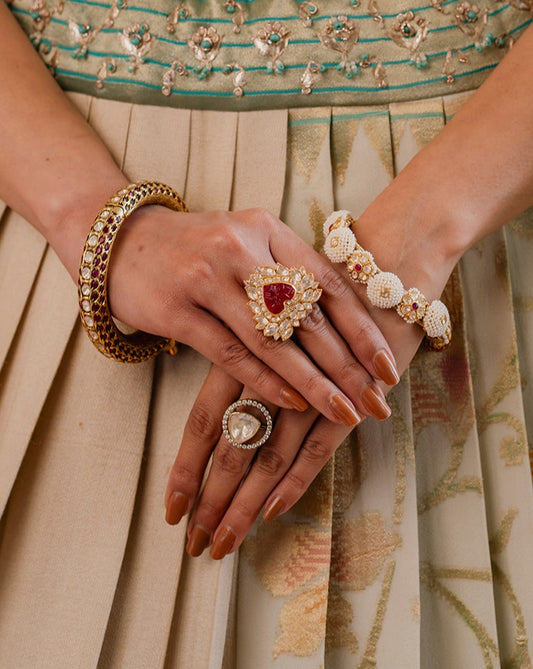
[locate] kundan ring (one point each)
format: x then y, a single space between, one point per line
240 426
281 297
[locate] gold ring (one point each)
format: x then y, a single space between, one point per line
280 298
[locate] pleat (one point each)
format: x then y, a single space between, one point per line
376 507
282 589
502 435
139 625
69 512
259 173
21 253
201 613
210 169
36 355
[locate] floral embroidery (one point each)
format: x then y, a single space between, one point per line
306 11
341 35
271 42
169 77
472 22
108 66
409 31
137 41
449 69
374 11
205 44
235 9
179 13
308 77
40 16
239 78
82 34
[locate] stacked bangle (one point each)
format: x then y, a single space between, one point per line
385 289
92 285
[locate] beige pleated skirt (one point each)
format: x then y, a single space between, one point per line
414 546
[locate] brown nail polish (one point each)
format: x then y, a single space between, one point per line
176 508
273 509
294 399
375 404
223 543
198 540
385 368
344 410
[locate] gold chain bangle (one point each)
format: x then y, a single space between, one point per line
92 284
385 289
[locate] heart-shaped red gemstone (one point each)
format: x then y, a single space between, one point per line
276 294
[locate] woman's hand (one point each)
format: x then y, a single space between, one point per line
181 276
241 482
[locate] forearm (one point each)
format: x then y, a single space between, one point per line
471 179
54 170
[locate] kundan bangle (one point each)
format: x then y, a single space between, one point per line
92 283
384 289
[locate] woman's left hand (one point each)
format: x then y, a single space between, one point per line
241 482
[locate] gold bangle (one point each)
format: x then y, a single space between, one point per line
92 284
385 289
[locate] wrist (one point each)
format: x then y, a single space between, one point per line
67 216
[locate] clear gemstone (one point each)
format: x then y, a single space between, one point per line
85 305
242 426
85 289
99 226
93 240
271 329
89 321
86 273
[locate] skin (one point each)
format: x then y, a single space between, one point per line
418 228
169 268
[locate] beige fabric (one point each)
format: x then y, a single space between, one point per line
412 547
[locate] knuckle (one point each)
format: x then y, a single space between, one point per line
209 511
202 424
227 240
243 509
311 385
263 378
227 460
332 283
297 484
365 330
315 321
315 452
270 462
234 354
269 344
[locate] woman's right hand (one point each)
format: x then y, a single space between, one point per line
181 275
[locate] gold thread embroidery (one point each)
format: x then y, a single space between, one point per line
488 646
500 539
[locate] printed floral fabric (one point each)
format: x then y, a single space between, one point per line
253 54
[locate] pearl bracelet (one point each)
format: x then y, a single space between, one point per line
92 283
384 289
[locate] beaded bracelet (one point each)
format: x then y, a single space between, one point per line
92 284
384 289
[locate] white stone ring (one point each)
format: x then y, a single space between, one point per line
239 426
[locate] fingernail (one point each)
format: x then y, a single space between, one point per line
386 368
274 508
293 399
223 543
198 540
344 410
176 508
375 403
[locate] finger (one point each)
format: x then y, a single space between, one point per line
290 361
325 345
344 309
228 468
212 339
201 433
317 448
271 463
